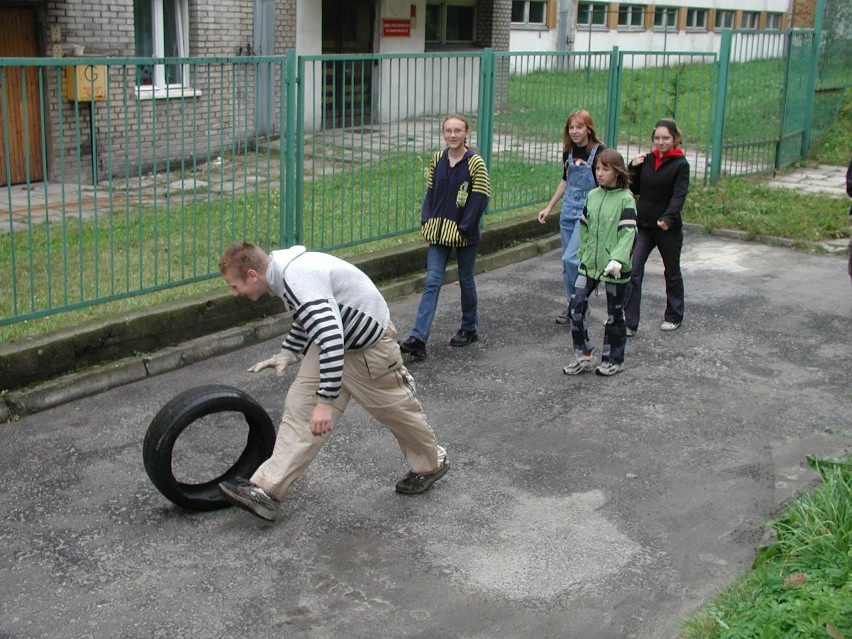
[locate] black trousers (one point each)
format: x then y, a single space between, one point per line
669 243
615 333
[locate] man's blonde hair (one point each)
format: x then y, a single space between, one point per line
243 257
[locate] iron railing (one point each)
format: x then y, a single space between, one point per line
140 189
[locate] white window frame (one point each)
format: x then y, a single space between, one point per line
160 89
665 12
773 21
630 10
750 17
526 18
594 7
696 19
726 17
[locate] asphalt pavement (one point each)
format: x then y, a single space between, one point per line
583 507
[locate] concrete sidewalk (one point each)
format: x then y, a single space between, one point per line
582 507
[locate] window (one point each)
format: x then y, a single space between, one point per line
630 15
665 17
751 20
161 31
773 21
529 11
450 24
696 19
724 19
591 14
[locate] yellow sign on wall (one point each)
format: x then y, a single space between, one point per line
85 82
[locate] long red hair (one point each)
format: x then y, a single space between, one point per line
585 118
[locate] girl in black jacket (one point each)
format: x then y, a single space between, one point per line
660 179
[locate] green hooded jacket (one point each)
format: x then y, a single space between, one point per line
607 232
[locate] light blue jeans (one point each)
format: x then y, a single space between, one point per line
569 227
436 265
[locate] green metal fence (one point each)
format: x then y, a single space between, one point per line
141 189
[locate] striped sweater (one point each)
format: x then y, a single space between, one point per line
456 199
335 306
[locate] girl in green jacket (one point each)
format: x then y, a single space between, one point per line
607 231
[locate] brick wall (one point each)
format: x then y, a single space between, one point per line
804 12
133 135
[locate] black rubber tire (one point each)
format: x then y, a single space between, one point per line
182 411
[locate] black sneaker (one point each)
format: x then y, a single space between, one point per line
414 347
248 496
415 484
463 338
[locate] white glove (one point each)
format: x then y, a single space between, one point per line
613 269
279 362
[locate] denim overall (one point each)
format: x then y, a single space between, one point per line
579 180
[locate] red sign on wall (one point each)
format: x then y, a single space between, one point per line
392 28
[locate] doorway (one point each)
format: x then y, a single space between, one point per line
19 107
347 28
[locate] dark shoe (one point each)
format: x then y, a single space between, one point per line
463 338
414 484
248 496
414 347
563 317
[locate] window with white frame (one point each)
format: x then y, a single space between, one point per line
696 19
591 14
724 19
161 30
773 21
631 15
529 12
665 17
451 23
751 20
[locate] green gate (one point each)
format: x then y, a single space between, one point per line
795 97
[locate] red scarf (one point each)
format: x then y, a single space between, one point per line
659 159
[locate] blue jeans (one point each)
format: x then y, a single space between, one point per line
569 228
436 265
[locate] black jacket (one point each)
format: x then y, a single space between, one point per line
661 193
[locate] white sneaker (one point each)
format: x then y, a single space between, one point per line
608 369
583 363
669 326
631 332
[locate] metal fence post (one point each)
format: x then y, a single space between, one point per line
613 101
487 98
721 96
291 176
812 78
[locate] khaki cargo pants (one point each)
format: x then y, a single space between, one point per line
375 378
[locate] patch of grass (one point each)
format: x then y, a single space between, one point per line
747 204
835 146
801 585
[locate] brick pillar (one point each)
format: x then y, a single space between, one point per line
492 30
